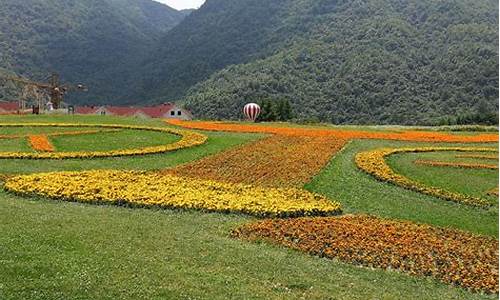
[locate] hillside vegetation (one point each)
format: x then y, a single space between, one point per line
96 42
372 61
339 61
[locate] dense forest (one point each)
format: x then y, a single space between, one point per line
96 42
372 61
340 61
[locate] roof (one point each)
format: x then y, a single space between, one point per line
122 110
9 106
86 110
157 111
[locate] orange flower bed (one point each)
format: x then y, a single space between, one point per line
285 161
455 164
40 143
452 256
419 136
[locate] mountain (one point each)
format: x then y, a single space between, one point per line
97 42
341 61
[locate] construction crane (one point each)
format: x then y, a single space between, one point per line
52 89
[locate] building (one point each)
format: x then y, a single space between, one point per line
9 107
165 110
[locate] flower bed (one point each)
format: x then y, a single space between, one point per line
452 256
420 136
167 191
189 139
493 192
373 162
40 143
455 164
279 160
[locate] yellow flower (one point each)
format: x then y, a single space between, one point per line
189 139
167 191
373 162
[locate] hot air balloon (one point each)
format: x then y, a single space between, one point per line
251 111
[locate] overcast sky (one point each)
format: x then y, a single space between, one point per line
182 4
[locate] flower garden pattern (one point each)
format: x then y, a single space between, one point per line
141 189
275 161
452 256
344 134
263 179
373 162
189 139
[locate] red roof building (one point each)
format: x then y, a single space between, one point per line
165 110
9 107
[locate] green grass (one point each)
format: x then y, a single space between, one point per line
106 141
472 182
60 250
14 145
359 192
217 141
41 130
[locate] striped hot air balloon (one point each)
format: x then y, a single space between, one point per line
251 111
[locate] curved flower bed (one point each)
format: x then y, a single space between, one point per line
189 139
151 189
420 136
373 162
452 256
455 164
279 161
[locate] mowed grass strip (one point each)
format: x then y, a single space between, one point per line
434 163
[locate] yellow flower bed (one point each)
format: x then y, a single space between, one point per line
373 162
133 188
189 139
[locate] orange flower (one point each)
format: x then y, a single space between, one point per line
274 161
420 136
40 143
452 256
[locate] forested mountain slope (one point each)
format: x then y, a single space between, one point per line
97 42
343 61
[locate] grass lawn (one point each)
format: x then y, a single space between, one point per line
60 250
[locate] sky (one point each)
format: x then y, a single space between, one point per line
182 4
